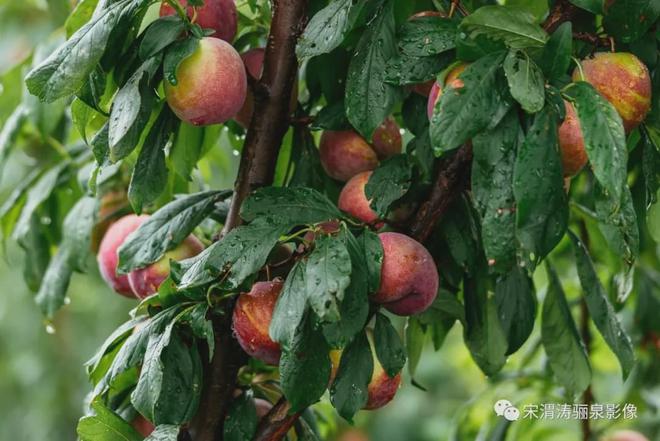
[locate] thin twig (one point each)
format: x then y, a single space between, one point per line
585 332
277 422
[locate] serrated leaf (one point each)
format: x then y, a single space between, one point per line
388 346
389 182
105 425
526 81
165 229
326 30
293 205
349 391
423 36
604 137
369 100
563 345
601 310
515 27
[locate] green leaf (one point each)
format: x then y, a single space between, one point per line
568 358
94 365
169 387
71 255
190 145
326 30
601 311
604 137
131 110
9 134
515 27
483 332
332 117
516 305
164 432
349 391
423 36
628 20
462 113
388 183
290 307
241 422
175 55
526 81
149 177
556 57
494 155
105 425
327 275
369 100
290 205
650 164
388 345
542 209
408 69
242 253
80 15
160 34
305 367
460 231
373 251
415 339
166 229
617 221
593 6
65 71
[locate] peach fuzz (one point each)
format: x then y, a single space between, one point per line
452 80
409 278
107 257
623 80
571 143
254 66
146 281
251 321
353 200
211 84
386 140
218 15
344 154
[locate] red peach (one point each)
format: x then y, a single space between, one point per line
623 80
251 320
571 143
211 84
219 15
111 205
452 80
345 154
142 425
107 257
353 200
145 281
626 435
386 140
409 278
254 66
353 435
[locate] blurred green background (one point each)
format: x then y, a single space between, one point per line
43 382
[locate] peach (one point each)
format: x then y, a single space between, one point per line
344 154
142 425
353 200
218 15
145 281
409 278
111 205
254 66
626 435
424 89
623 80
381 388
386 140
251 320
571 143
211 84
107 257
263 407
452 80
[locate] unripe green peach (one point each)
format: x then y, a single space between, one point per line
353 199
146 281
571 143
452 80
107 257
386 140
626 435
211 84
345 154
623 80
218 15
251 319
409 278
254 66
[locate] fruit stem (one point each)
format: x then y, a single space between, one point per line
178 8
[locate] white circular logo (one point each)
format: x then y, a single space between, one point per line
501 406
511 414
